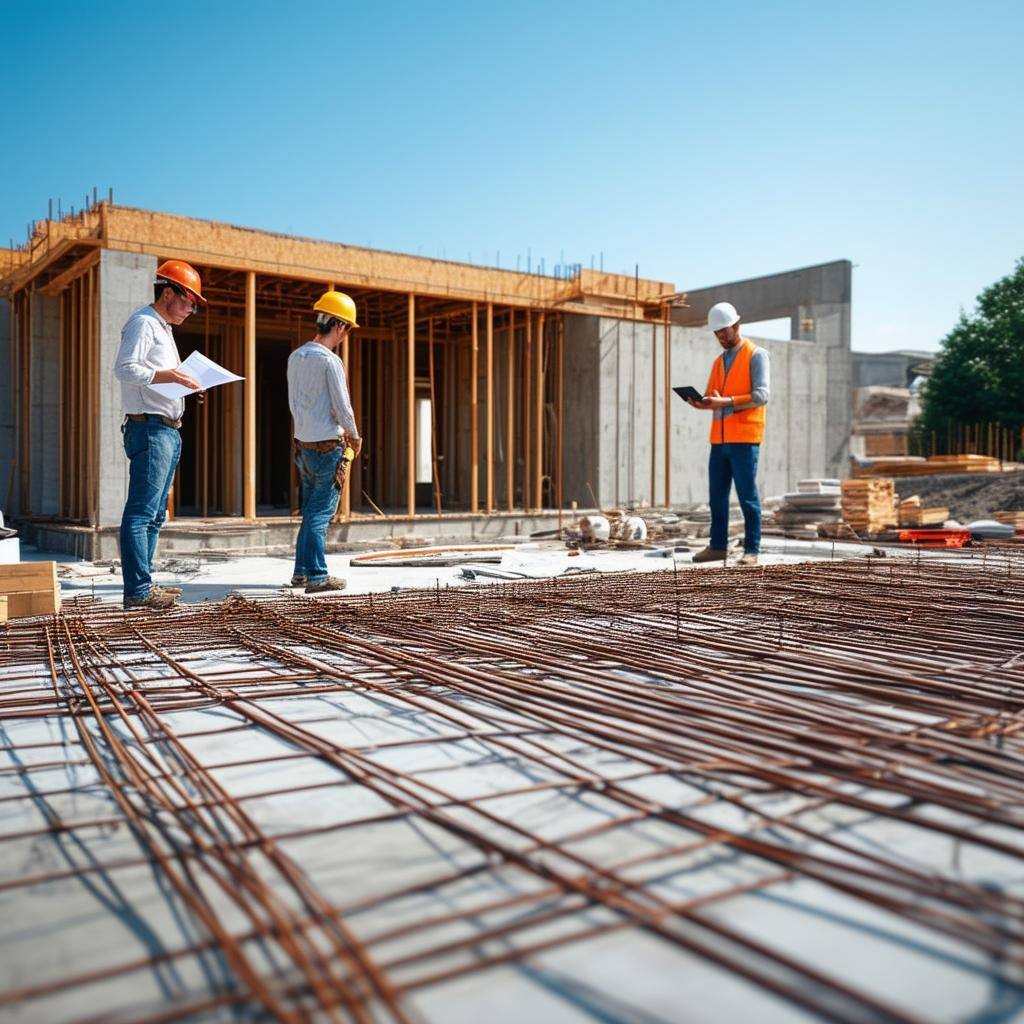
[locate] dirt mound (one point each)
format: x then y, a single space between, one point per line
968 496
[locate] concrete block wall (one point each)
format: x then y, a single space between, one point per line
614 413
126 283
45 423
7 386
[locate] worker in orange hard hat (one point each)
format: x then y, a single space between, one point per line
149 355
182 279
326 437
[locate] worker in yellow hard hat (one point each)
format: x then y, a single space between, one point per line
325 430
152 441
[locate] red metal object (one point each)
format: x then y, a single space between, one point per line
935 538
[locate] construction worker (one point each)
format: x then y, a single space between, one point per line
324 427
737 393
152 424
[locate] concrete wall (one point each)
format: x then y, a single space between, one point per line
44 414
615 413
126 283
817 300
7 386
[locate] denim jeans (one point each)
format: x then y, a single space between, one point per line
153 449
320 497
734 464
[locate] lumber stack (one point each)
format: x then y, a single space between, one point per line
913 465
30 588
911 514
869 506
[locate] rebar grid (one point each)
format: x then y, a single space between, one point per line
585 757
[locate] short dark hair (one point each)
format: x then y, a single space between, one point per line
325 323
159 288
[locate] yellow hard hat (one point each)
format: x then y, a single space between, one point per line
337 304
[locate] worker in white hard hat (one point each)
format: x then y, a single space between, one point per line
736 394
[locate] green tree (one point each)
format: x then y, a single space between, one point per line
979 373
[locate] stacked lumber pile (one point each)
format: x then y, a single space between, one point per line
913 465
869 506
911 514
28 588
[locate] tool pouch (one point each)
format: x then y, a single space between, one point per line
343 464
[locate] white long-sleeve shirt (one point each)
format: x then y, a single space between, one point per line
318 394
147 345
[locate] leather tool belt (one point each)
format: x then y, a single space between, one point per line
143 417
319 446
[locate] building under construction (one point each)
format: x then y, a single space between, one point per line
488 399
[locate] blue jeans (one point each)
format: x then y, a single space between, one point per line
735 464
153 449
320 497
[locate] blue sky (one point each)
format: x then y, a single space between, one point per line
706 143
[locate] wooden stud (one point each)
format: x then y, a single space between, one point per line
490 406
525 419
510 421
433 418
63 455
345 506
474 416
249 416
410 417
538 412
668 407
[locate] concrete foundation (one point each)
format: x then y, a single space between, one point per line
276 536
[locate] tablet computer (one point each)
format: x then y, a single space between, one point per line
691 394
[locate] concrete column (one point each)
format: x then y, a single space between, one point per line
126 284
7 453
44 413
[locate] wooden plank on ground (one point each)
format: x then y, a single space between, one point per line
30 588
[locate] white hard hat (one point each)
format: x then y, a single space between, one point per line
722 314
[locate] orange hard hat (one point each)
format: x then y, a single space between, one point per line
182 274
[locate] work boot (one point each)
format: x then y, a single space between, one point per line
748 558
173 591
331 583
299 581
154 601
711 555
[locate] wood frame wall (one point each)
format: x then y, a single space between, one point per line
493 372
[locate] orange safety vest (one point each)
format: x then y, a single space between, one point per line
744 426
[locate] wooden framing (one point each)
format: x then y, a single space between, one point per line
263 285
410 419
490 406
510 414
474 414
